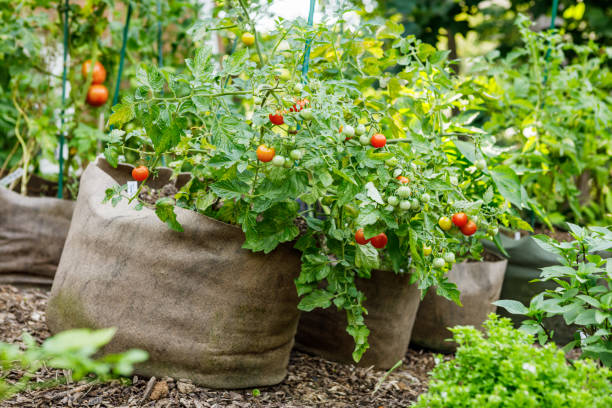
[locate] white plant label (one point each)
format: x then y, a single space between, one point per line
11 177
132 187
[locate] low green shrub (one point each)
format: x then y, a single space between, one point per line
70 350
504 369
583 295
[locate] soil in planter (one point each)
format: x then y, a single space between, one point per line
311 381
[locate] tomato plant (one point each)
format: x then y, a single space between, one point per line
359 215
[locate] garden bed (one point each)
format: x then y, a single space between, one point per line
311 381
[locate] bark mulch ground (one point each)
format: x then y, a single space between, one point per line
311 381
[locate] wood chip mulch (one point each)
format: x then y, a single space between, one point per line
311 381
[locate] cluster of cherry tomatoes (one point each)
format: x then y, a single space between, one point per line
378 241
466 226
97 95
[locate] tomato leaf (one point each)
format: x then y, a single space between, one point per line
317 298
164 208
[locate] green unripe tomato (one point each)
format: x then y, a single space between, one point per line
364 140
299 87
296 154
438 263
257 100
404 205
360 129
415 204
306 114
278 161
425 198
449 257
404 191
288 164
426 250
348 131
393 201
392 162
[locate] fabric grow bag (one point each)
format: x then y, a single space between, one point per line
33 230
392 303
199 304
480 284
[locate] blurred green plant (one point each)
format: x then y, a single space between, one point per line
552 122
502 368
69 350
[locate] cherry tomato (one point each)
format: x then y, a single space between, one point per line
140 173
98 75
265 153
393 201
426 250
403 180
425 198
392 162
296 154
379 241
360 129
360 237
278 161
348 131
445 223
277 118
405 205
97 95
449 257
439 263
306 114
378 140
460 219
248 39
404 191
469 228
364 140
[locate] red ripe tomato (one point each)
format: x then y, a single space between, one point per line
98 75
469 228
379 241
360 237
378 140
97 95
460 219
265 153
403 180
299 105
140 173
277 118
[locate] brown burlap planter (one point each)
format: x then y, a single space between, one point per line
480 285
392 303
32 235
203 307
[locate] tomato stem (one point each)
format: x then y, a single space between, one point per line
246 13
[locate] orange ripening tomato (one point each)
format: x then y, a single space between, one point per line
403 180
99 73
140 173
97 95
299 105
265 153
